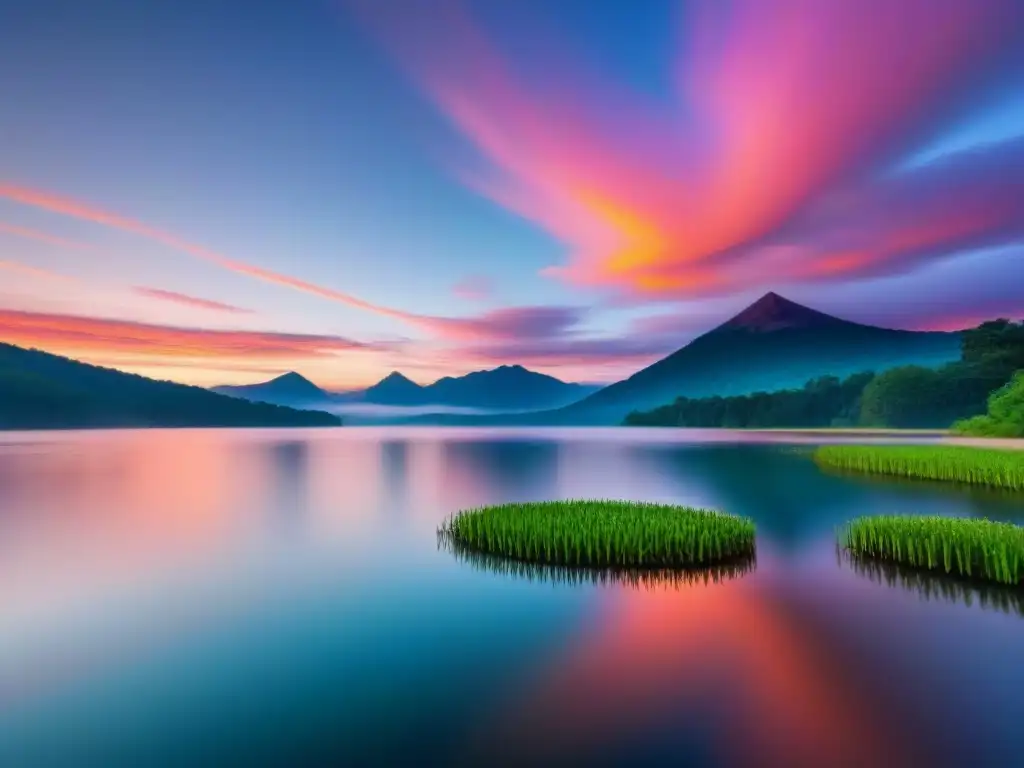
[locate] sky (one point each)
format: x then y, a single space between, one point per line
220 191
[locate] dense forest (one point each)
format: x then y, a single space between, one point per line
906 397
44 391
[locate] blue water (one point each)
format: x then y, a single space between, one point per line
278 598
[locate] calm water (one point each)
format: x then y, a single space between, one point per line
278 598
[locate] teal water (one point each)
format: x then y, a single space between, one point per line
278 598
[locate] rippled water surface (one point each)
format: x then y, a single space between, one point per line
278 598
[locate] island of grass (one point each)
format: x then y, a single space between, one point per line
603 534
961 547
954 463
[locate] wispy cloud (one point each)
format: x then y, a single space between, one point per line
473 288
498 323
88 336
189 301
39 272
46 237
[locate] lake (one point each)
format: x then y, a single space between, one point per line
204 597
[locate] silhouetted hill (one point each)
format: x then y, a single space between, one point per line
773 344
43 391
394 389
291 389
510 387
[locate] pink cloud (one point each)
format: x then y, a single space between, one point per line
785 107
189 301
474 288
497 323
85 336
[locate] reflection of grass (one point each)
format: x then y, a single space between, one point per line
931 586
979 493
965 547
637 578
603 534
951 463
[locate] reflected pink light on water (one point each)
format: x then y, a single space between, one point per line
710 649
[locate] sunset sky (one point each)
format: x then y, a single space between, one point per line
218 191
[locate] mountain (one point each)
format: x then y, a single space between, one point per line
508 387
771 345
43 391
291 389
394 389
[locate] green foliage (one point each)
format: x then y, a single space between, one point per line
1005 417
43 391
995 347
977 466
823 402
963 547
602 534
914 397
905 397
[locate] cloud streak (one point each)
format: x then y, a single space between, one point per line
189 301
88 336
783 108
45 237
496 323
45 274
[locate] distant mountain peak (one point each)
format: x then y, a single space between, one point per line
395 382
291 378
396 376
773 312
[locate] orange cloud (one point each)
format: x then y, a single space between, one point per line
189 301
87 337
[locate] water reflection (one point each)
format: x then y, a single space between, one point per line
394 475
980 501
636 578
939 587
149 595
512 470
721 673
289 469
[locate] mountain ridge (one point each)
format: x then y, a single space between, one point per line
772 344
40 390
506 387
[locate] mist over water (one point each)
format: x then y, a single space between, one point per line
254 597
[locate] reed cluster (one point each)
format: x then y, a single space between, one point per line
602 534
952 463
964 547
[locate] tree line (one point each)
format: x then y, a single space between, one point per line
908 397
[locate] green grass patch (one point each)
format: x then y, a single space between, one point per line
952 463
602 534
964 547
